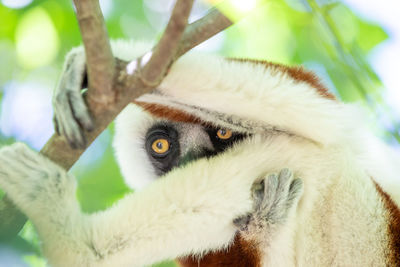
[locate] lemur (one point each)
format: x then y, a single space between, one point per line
207 153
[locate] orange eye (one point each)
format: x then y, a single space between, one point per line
224 134
160 146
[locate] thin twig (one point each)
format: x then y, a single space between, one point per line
202 29
163 54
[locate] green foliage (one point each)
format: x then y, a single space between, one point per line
329 39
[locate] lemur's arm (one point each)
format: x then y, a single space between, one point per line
188 211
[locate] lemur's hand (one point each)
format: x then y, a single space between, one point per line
71 115
34 183
274 197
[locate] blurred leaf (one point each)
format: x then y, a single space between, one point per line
23 246
35 261
166 264
9 21
370 35
29 234
37 41
102 185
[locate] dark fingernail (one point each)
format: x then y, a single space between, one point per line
72 144
242 222
296 183
80 145
89 126
56 128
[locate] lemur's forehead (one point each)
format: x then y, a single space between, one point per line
169 113
181 113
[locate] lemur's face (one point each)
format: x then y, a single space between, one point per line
148 146
171 144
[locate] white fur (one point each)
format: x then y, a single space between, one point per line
191 209
340 220
136 167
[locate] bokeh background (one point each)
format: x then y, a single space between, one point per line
353 45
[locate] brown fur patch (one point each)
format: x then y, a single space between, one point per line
393 228
240 254
165 112
298 73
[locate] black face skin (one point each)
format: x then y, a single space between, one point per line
164 162
220 145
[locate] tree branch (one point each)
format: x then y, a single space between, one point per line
202 29
107 99
99 58
163 54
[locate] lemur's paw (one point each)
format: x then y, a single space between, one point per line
274 197
30 179
71 115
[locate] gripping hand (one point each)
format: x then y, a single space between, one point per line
71 113
274 197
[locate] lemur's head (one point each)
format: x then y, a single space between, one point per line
206 104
